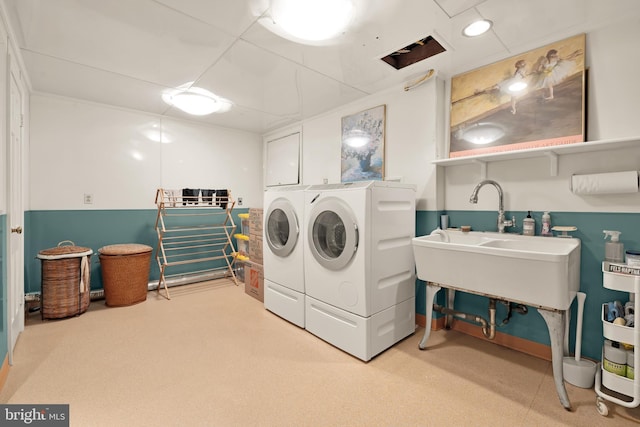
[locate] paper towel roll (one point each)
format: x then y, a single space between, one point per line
605 183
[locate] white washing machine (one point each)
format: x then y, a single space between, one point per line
359 266
283 252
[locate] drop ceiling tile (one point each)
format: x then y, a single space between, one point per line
239 118
232 17
455 7
465 53
254 78
523 26
51 75
142 39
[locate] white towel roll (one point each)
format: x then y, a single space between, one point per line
605 183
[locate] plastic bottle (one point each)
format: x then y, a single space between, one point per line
613 249
546 225
615 358
529 225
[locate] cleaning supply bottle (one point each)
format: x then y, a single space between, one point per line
613 249
615 358
546 225
529 225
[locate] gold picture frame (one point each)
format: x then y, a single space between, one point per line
534 99
362 150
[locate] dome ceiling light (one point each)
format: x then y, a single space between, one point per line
310 20
477 28
195 100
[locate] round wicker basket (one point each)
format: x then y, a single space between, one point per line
66 280
125 273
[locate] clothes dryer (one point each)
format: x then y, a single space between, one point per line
283 252
359 265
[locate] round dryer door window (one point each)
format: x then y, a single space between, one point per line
282 228
333 235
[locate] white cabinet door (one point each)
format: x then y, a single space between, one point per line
283 160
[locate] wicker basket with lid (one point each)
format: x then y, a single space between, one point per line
125 273
66 280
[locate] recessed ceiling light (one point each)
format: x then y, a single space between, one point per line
477 28
195 100
312 20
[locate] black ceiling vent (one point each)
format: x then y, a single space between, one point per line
422 49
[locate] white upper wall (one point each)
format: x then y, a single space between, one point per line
417 122
410 139
116 156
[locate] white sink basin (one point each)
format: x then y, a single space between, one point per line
537 271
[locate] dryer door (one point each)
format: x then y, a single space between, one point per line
282 228
333 234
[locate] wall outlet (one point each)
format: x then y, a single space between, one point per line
88 199
239 201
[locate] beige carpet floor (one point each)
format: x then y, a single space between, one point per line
213 356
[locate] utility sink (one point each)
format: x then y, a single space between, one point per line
543 272
537 271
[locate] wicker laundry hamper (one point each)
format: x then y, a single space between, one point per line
125 273
66 280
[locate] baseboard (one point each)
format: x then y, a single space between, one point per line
531 348
4 371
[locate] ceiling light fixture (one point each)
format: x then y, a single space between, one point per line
195 100
312 20
477 28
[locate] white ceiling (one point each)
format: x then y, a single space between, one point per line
127 52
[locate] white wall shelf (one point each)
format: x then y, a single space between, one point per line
552 152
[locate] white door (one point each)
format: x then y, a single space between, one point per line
15 214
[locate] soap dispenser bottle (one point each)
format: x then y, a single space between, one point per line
613 249
529 225
546 225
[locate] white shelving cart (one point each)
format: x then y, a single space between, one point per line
626 279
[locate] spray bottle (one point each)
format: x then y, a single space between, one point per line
546 225
613 249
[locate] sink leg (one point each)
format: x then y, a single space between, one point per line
432 290
567 322
556 324
451 295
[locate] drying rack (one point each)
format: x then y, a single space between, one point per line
194 235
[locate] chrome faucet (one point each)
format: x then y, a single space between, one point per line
502 222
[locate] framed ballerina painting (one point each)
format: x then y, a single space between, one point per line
534 99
